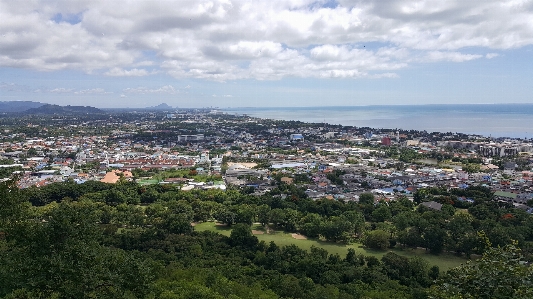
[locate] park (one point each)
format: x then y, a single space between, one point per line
444 261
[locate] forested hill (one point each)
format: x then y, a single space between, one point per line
56 109
97 240
18 106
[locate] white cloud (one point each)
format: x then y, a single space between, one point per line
92 91
450 56
61 90
384 75
167 89
266 40
143 63
118 72
13 87
227 96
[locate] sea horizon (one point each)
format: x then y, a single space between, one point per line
377 105
490 120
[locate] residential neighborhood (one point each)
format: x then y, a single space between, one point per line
207 148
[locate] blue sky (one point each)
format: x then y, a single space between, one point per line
223 53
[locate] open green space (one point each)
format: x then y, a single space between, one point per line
147 182
444 261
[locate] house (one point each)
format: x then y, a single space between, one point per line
297 137
509 165
287 180
113 177
66 171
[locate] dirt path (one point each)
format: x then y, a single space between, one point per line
299 237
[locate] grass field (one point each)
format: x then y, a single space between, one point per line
444 261
147 182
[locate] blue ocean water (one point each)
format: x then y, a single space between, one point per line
496 120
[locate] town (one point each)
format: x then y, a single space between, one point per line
207 148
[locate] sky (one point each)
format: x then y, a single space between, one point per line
277 53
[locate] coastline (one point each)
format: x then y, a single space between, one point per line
489 120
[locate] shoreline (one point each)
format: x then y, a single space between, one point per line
496 121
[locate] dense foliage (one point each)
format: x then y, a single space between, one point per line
95 240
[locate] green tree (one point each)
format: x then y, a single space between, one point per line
31 152
291 219
337 229
500 273
471 167
310 225
434 238
356 219
241 235
381 213
459 228
366 198
61 255
226 216
277 216
263 214
403 220
376 239
245 214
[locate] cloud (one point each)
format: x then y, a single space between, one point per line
167 89
227 96
384 75
434 56
225 40
13 87
61 90
93 91
118 72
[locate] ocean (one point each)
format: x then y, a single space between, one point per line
494 120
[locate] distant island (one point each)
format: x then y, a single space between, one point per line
162 106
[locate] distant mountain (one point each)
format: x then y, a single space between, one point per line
18 106
162 106
56 109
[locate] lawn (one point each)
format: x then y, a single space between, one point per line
148 182
444 261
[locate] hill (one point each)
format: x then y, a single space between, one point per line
18 106
162 106
56 109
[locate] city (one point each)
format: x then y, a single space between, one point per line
329 161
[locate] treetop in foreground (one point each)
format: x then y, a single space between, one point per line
500 273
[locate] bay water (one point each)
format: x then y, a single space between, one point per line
495 120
